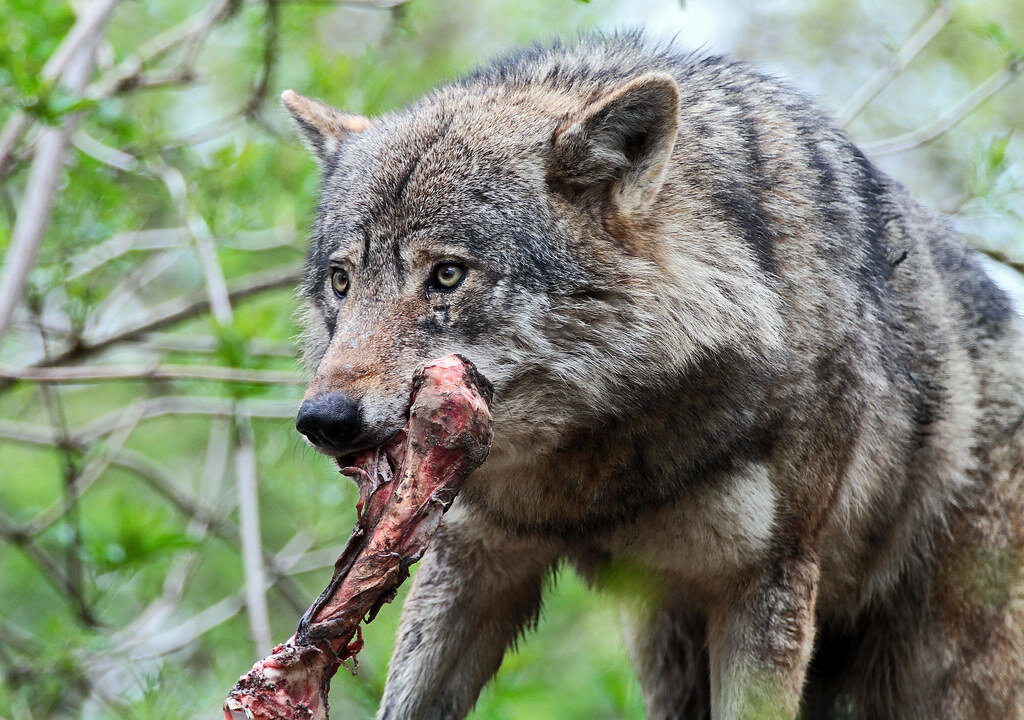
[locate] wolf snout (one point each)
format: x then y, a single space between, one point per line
330 421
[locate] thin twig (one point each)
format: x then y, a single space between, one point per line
250 538
190 35
113 671
150 472
1000 256
74 572
897 63
270 46
127 420
189 405
174 638
206 246
257 347
124 242
101 373
171 313
179 309
80 42
42 187
10 532
948 120
108 313
112 157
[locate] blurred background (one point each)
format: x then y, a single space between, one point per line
161 524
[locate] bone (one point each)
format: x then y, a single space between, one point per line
404 489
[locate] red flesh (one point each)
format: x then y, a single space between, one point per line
404 488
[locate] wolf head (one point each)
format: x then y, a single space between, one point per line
506 225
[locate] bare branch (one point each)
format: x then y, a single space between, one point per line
266 239
257 347
107 155
214 407
158 613
952 117
270 45
1000 256
124 242
206 246
171 639
897 63
154 475
102 373
79 43
190 35
250 538
42 189
127 421
50 570
33 217
108 313
170 313
175 311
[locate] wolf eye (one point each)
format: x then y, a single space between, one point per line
339 281
447 276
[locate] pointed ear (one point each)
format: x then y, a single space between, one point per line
322 127
620 144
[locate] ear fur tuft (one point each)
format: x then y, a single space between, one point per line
623 141
322 127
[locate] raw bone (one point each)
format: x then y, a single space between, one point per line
404 488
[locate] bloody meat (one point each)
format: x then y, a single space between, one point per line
404 488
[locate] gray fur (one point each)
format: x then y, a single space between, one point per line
728 353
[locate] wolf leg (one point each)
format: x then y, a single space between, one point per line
980 595
475 590
760 641
669 652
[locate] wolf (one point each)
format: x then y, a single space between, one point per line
732 360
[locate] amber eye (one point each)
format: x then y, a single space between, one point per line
339 281
448 275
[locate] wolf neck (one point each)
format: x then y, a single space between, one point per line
685 431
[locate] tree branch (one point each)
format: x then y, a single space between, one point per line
168 314
50 570
126 423
204 406
103 373
270 45
190 35
1000 256
897 63
948 120
76 62
81 41
250 538
206 247
154 475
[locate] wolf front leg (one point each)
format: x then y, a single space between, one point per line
475 591
760 641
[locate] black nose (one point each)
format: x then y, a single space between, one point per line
330 421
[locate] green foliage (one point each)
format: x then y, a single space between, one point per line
131 537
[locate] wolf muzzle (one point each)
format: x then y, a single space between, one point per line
330 421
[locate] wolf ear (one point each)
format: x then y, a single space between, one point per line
621 142
322 127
